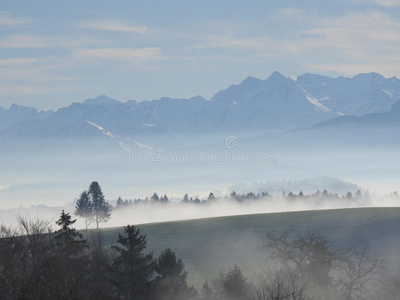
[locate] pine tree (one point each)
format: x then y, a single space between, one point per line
132 269
349 196
234 284
101 208
155 198
120 202
67 238
207 292
84 208
164 199
171 280
186 198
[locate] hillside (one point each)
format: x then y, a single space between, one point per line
209 245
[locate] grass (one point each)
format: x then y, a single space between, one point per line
209 245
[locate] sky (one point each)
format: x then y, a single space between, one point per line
53 53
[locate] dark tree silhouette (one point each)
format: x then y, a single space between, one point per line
155 198
207 292
185 198
234 285
132 269
84 208
101 208
67 238
170 284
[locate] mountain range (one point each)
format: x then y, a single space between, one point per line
274 104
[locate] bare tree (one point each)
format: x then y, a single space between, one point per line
360 274
284 284
311 255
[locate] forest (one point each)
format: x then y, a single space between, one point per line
37 262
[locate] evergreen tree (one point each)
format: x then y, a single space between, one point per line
186 198
67 238
164 199
234 284
84 208
132 269
120 202
170 284
207 292
101 208
155 198
358 195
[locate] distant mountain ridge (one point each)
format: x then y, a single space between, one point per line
386 120
18 113
277 103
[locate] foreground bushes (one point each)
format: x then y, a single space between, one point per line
36 263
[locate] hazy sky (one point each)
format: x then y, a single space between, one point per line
57 52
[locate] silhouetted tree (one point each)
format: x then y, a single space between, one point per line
100 264
69 261
155 198
211 197
67 239
120 202
234 285
185 198
311 255
101 208
84 208
132 269
164 199
170 284
207 292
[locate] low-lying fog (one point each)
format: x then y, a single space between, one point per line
52 173
148 211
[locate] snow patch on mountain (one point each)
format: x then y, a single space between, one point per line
104 131
232 104
387 92
316 101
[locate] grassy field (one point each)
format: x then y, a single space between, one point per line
209 245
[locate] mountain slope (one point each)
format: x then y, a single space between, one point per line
388 120
275 104
18 113
360 95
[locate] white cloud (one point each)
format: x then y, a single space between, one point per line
387 3
227 41
8 20
23 41
21 89
124 54
17 61
386 68
30 41
114 26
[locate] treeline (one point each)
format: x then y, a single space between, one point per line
94 208
317 196
37 263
